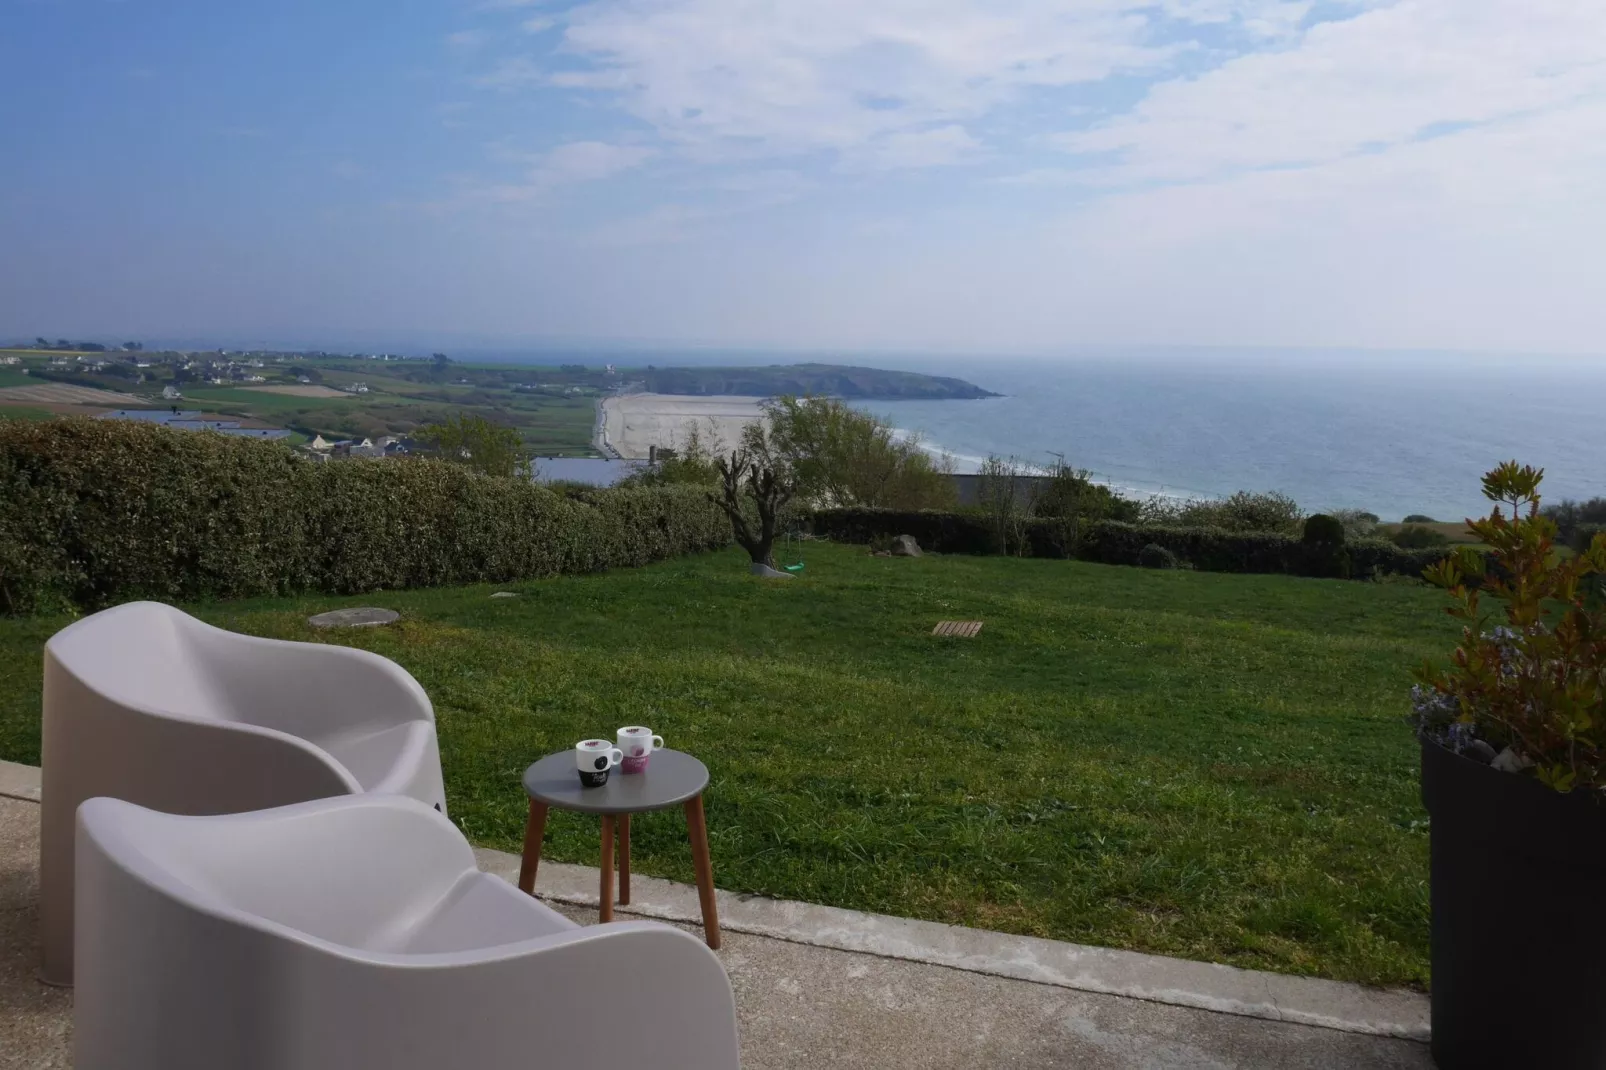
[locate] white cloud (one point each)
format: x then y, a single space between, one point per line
917 148
1368 172
1380 79
587 161
835 74
516 73
465 39
573 163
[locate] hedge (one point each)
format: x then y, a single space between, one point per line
97 512
1115 543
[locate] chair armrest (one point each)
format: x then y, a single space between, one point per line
314 690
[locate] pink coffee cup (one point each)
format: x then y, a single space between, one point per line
637 743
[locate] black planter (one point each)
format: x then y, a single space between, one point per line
1519 919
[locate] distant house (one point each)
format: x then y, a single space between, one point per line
171 393
10 360
320 443
356 388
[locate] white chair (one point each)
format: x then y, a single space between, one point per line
357 932
148 704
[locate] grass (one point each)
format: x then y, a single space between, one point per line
1186 763
25 412
549 425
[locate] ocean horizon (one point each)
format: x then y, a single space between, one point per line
1393 433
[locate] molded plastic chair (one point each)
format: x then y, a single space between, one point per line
145 703
357 932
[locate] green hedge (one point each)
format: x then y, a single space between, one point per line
1115 543
97 512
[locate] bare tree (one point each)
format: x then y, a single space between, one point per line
1006 496
743 478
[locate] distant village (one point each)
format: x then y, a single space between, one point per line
220 367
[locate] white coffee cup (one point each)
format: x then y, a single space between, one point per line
637 744
594 758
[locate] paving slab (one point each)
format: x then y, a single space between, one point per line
1155 978
805 1005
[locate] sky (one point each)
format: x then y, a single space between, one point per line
966 175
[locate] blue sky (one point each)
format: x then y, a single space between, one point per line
995 175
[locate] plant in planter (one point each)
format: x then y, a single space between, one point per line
1513 738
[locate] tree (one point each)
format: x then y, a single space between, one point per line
1067 501
472 440
840 456
743 477
1006 498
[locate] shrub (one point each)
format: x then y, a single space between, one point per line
96 512
1243 511
838 455
1324 530
1583 535
1115 542
469 439
1153 555
1069 503
1416 537
1568 515
1533 684
1324 547
1419 518
693 462
1358 524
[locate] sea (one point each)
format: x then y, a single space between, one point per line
1392 433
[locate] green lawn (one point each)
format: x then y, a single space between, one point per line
25 412
1187 763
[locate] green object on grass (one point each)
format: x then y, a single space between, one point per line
794 568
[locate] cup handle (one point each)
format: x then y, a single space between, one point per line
657 742
615 756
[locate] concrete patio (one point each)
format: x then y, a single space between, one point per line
818 987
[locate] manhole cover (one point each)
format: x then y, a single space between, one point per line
354 618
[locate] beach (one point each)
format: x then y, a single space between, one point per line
632 424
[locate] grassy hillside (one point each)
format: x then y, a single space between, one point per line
800 379
1204 765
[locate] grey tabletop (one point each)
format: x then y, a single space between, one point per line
671 778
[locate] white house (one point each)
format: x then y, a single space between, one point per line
171 393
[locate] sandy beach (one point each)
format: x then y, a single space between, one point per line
633 423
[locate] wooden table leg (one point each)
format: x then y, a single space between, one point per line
697 830
624 860
606 914
534 830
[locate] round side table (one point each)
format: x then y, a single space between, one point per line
672 778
